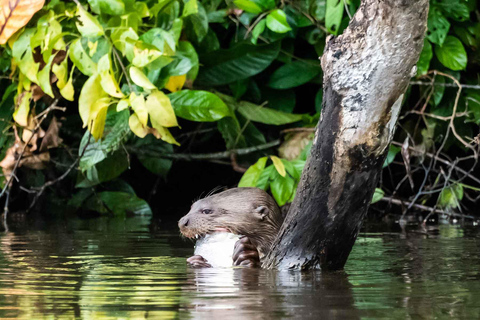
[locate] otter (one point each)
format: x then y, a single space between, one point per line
250 212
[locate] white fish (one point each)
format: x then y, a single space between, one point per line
217 248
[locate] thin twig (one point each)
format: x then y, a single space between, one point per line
450 85
203 156
41 189
425 208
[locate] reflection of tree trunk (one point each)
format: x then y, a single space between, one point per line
366 72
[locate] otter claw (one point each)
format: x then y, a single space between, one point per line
198 262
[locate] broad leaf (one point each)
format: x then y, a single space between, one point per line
277 21
423 64
112 7
261 114
452 54
251 176
377 195
237 63
438 26
334 15
198 105
294 74
160 110
88 25
115 133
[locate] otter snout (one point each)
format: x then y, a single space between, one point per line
183 223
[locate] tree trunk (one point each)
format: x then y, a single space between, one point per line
366 72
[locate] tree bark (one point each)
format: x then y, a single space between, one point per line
366 73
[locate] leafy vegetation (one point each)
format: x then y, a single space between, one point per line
115 79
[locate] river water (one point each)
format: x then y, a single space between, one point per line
110 268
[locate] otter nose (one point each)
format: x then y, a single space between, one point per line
183 222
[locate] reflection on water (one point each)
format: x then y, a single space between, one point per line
115 268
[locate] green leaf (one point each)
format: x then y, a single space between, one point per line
264 180
251 176
455 9
392 153
377 195
115 133
277 21
294 74
6 111
112 7
81 59
450 197
119 203
88 25
231 132
438 90
473 105
248 6
108 169
185 61
438 26
261 114
156 165
423 64
258 30
239 62
196 105
334 15
282 188
190 7
452 54
22 52
197 24
281 100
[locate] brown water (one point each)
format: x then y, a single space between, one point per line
117 268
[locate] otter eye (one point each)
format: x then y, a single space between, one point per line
207 211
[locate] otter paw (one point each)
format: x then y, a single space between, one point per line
245 254
198 262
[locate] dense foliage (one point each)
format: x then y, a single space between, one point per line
88 84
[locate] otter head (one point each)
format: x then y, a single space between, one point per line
244 211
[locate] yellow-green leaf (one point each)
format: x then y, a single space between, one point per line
279 165
80 58
175 83
122 105
136 126
140 79
139 106
67 91
21 114
98 116
166 136
61 71
44 77
144 54
88 25
91 92
160 110
109 83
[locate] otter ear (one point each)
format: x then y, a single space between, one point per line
262 212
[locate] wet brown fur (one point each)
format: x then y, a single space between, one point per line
245 211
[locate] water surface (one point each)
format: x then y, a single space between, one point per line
118 268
